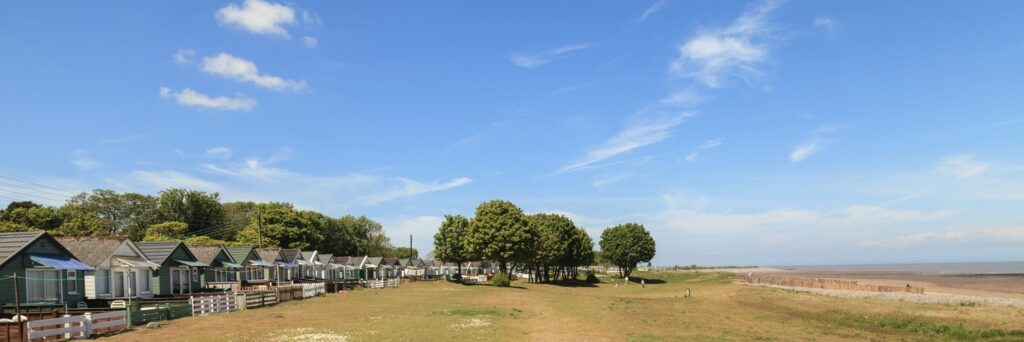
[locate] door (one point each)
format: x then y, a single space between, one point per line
180 281
118 279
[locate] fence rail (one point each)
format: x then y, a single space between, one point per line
313 289
254 300
81 326
208 305
830 284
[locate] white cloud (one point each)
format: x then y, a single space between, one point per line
311 18
605 180
85 163
183 56
807 149
707 145
242 70
258 17
189 97
175 179
828 24
253 168
219 152
532 60
1005 234
655 7
422 228
701 221
410 188
684 98
639 134
733 51
962 166
309 42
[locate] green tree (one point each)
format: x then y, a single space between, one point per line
449 243
551 253
200 210
406 252
6 227
166 231
626 245
32 215
203 240
76 221
499 231
129 213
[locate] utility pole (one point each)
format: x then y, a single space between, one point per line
410 247
259 226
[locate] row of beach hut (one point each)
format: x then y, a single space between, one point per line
39 269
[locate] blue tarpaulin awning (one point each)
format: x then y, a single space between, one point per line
60 262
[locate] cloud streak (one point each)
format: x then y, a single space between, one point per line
533 60
192 98
634 136
654 8
411 188
963 166
242 70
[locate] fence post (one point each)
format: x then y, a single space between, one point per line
88 325
67 335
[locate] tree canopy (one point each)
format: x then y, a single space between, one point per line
449 242
626 245
499 231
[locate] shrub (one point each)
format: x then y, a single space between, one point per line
592 277
500 280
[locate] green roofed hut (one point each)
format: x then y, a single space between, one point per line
256 270
180 271
282 271
47 272
223 270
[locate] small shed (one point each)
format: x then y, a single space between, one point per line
255 270
223 269
180 271
121 269
48 273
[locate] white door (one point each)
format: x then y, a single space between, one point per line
118 279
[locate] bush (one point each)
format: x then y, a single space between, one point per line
592 277
500 280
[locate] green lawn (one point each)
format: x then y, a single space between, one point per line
718 311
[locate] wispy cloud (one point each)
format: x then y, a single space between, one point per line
258 17
219 152
963 166
734 51
639 134
533 60
175 179
823 136
707 145
904 240
189 97
309 42
606 180
410 188
243 70
183 56
653 8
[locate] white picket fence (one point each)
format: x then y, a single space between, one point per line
313 289
68 327
380 284
208 305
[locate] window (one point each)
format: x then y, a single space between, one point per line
119 289
72 281
195 274
145 276
42 286
102 282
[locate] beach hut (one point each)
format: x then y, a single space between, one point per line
180 272
314 265
433 269
393 268
373 268
120 269
281 273
294 256
413 268
254 270
222 273
47 272
330 270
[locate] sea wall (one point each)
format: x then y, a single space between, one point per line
827 284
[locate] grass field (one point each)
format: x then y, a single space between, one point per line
718 311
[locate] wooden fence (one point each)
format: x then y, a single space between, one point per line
829 284
289 292
208 305
380 284
81 326
313 289
252 300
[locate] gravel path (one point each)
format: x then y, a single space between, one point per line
940 298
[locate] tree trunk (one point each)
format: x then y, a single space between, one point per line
503 266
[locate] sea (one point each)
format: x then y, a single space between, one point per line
923 268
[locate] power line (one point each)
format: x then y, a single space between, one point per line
32 195
9 183
37 184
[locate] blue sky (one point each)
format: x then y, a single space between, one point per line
737 132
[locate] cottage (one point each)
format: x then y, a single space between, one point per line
47 272
393 269
413 268
330 269
282 270
121 270
255 269
222 273
314 266
294 256
350 270
180 271
362 267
